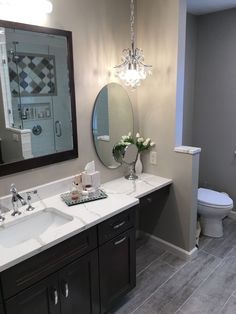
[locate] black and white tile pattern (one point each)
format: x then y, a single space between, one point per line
32 75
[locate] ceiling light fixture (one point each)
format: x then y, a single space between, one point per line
132 69
37 6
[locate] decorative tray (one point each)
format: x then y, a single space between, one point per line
98 195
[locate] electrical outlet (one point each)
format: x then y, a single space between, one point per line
153 158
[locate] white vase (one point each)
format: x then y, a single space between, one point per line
138 165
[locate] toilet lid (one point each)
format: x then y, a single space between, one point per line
210 197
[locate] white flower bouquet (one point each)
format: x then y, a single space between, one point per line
141 143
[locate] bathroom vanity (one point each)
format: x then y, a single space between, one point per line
84 266
65 278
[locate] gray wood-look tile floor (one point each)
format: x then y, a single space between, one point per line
166 284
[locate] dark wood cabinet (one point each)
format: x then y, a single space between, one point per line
79 286
74 289
41 298
117 268
38 267
1 309
75 276
151 208
1 305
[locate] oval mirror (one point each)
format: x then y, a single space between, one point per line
112 118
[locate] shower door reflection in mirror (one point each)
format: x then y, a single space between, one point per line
37 103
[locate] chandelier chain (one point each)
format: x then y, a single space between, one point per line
132 22
132 70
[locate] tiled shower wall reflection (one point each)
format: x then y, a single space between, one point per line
31 75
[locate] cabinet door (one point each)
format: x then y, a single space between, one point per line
117 268
41 298
38 267
1 309
79 286
1 305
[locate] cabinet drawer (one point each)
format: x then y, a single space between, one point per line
116 225
43 264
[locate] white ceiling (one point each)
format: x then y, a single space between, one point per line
207 6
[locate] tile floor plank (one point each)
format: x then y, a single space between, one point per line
146 253
221 246
178 288
147 283
166 284
172 260
230 306
215 291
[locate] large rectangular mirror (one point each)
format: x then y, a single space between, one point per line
37 99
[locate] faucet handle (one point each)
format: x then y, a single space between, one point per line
29 198
31 192
13 188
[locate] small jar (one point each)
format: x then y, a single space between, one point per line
74 193
91 190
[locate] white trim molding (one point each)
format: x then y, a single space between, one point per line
181 253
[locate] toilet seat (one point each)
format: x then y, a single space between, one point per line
214 199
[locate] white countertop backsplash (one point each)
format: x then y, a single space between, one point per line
122 194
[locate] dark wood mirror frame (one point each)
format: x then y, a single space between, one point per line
36 162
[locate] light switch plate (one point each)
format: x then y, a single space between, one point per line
153 157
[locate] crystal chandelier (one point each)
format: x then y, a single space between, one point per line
132 69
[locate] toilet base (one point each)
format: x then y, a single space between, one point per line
211 227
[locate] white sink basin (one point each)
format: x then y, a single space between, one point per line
32 226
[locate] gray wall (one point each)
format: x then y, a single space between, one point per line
189 78
161 35
214 115
99 35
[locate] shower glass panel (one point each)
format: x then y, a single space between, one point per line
39 88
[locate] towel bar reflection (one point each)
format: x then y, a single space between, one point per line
58 128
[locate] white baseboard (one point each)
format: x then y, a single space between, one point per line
181 253
232 214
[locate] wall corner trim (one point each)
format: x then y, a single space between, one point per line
187 150
181 253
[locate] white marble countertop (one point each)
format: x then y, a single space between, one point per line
122 194
145 184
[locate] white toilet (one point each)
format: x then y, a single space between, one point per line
213 207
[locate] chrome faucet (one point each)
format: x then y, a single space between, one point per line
15 198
